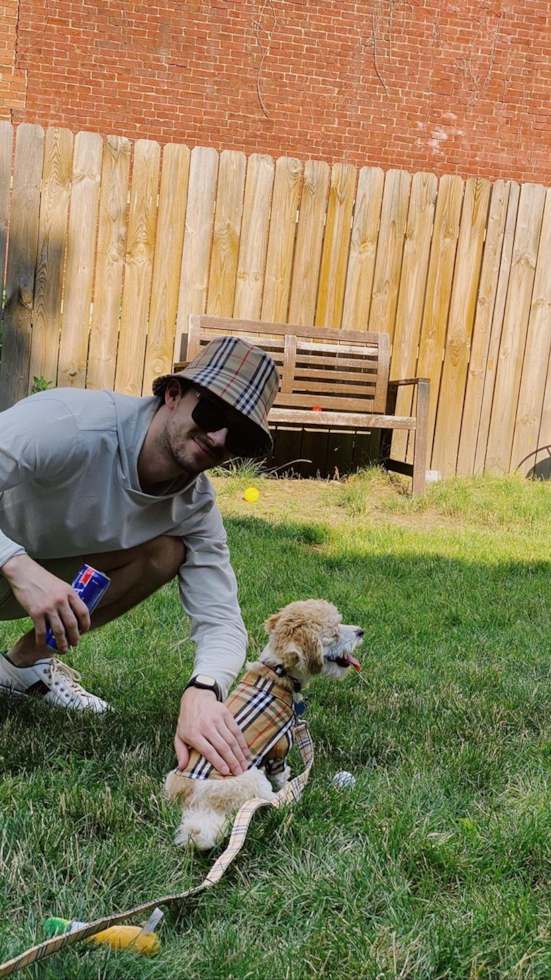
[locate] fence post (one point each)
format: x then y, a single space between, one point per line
21 271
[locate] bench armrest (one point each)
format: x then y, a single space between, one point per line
423 388
407 381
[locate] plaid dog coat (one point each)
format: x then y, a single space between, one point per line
265 713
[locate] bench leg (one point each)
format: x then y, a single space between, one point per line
421 438
385 443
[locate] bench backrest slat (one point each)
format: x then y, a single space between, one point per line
345 370
289 364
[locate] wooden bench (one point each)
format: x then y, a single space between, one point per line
330 379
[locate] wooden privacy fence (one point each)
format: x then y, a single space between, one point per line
107 248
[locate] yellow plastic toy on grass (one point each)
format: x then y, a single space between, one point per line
251 495
142 939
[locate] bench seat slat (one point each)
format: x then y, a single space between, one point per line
351 420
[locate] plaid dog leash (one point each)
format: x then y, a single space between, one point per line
291 792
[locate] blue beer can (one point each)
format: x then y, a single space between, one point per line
89 585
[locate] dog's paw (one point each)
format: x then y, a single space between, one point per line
201 829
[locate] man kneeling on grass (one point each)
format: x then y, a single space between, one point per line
118 482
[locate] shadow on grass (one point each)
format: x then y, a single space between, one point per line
411 589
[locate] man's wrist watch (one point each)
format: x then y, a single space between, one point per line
206 683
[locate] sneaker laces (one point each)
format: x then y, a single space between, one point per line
68 674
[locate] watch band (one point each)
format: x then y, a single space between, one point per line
205 683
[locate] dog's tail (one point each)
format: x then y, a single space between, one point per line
204 828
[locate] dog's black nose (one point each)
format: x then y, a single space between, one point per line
360 633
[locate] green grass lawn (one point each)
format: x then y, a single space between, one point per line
437 864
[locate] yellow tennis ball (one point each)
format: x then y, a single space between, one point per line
251 495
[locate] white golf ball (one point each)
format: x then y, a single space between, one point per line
344 779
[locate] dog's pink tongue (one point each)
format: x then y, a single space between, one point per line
353 662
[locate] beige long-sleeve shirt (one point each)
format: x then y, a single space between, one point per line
69 486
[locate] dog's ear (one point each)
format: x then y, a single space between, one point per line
306 650
271 622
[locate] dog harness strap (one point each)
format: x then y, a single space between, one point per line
279 669
288 794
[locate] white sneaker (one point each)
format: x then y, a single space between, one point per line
52 680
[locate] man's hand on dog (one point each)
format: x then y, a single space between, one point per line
206 724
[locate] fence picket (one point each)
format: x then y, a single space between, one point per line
343 448
541 463
169 246
6 154
515 325
194 276
54 209
104 330
305 276
460 324
227 232
79 269
363 249
413 279
482 327
21 267
138 267
334 259
281 240
389 251
536 356
496 328
439 287
251 264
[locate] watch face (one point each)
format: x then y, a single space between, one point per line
204 679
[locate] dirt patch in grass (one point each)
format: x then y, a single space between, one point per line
377 498
307 500
322 502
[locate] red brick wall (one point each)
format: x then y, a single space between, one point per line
448 86
12 82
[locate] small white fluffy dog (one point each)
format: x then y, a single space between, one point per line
305 638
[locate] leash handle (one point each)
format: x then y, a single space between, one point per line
291 792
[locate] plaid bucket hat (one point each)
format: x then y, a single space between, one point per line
242 375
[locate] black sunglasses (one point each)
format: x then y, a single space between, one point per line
242 438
